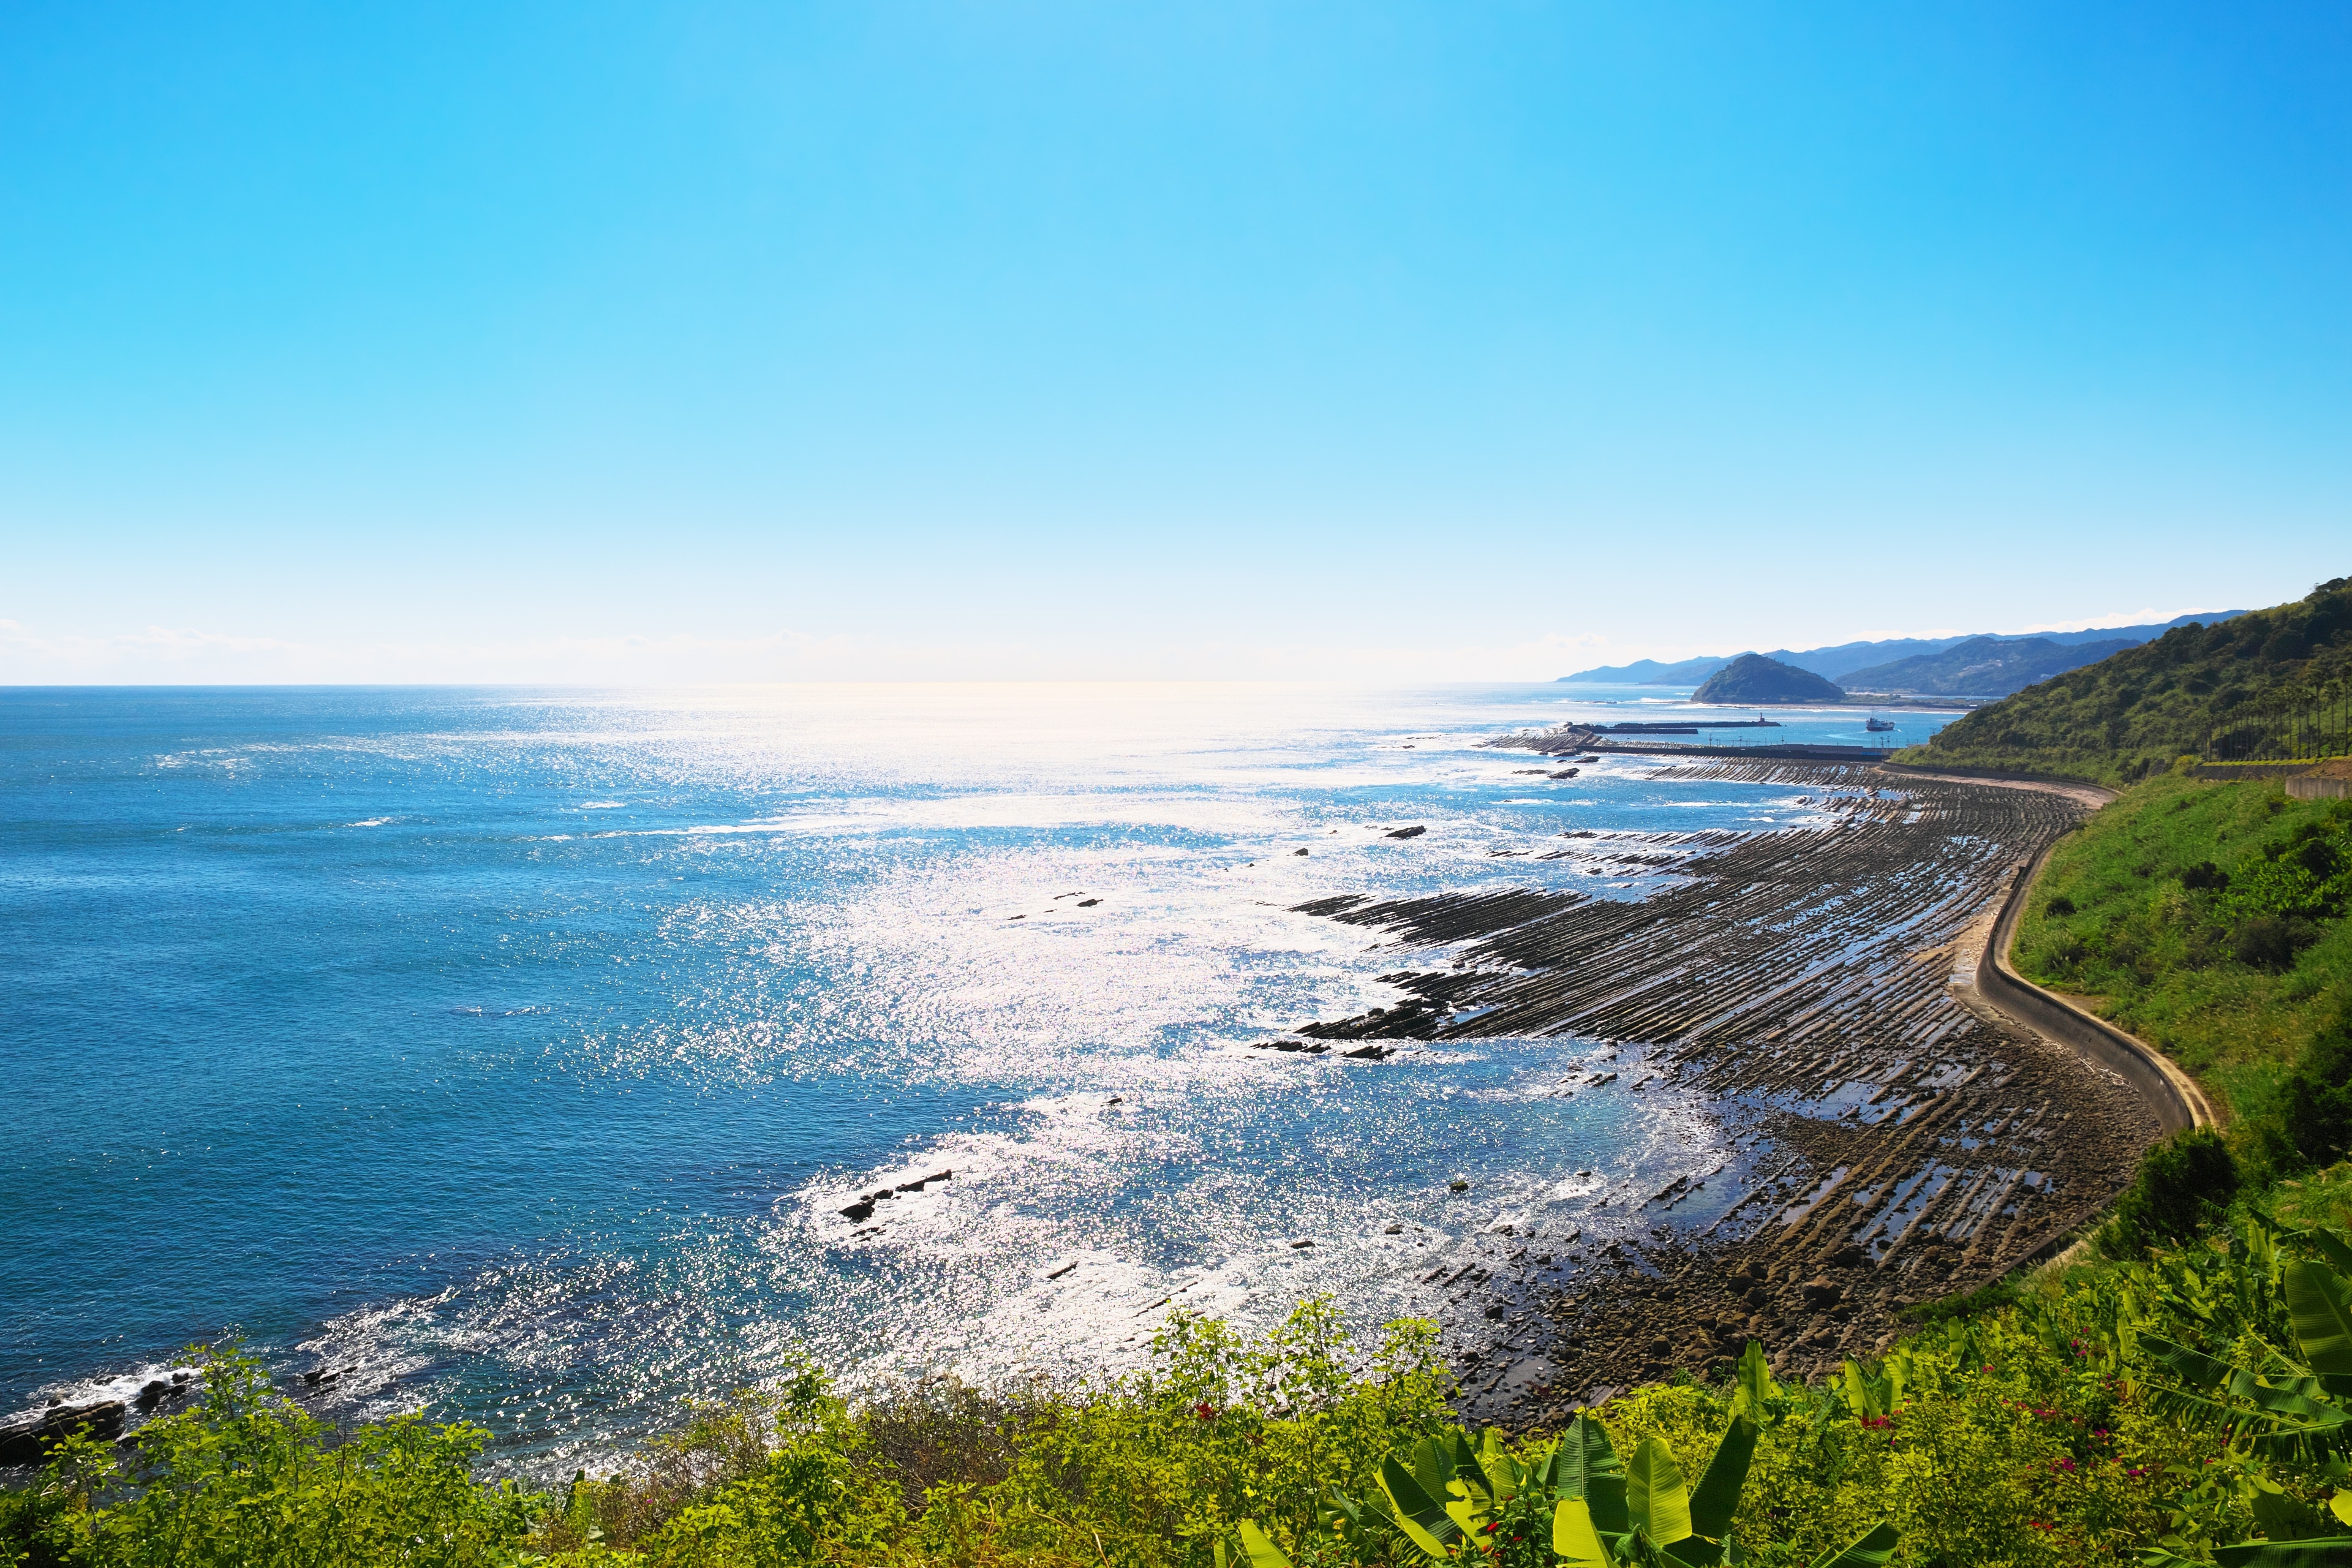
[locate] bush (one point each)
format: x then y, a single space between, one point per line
2317 1097
2183 1184
2272 941
248 1481
2205 874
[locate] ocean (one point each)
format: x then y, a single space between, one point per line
519 1050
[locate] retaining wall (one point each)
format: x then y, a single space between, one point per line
2176 1096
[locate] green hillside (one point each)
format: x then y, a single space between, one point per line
2133 713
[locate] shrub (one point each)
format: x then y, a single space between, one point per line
2272 941
2317 1097
2182 1185
248 1481
2205 874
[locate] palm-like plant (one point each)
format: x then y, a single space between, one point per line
2295 1407
1449 1497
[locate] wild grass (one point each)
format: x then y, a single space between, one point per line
2165 914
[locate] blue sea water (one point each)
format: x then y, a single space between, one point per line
520 1048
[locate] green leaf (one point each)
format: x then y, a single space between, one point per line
2322 1551
1754 1381
1584 1453
2314 1301
2341 1505
1717 1497
2194 1368
1695 1551
1573 1536
1502 1472
1872 1549
1262 1553
2332 1246
1654 1493
1432 1466
2278 1514
1606 1496
1422 1517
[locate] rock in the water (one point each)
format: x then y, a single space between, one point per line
1298 852
1088 903
1296 1245
1394 1228
1413 832
26 1439
1458 1185
860 1210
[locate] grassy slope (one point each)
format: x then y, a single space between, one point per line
2130 715
2154 956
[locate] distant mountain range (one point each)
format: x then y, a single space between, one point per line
1890 663
1983 666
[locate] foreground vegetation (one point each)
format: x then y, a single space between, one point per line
2176 1405
2128 716
2183 1392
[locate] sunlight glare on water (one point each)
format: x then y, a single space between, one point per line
520 1048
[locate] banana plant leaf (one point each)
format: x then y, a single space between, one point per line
1257 1551
2194 1368
2331 1247
1573 1537
1432 1466
2322 1330
1422 1518
1503 1477
2319 1551
1656 1495
1586 1468
1717 1497
1871 1550
1468 1472
2288 1418
1754 1383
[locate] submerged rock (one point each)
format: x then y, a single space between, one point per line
26 1439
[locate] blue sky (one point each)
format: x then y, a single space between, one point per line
647 343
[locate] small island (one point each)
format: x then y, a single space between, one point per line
1752 678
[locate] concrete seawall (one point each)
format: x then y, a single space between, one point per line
2178 1101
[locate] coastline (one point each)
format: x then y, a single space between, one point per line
1891 1141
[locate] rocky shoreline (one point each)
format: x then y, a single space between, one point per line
1892 1137
1887 1135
